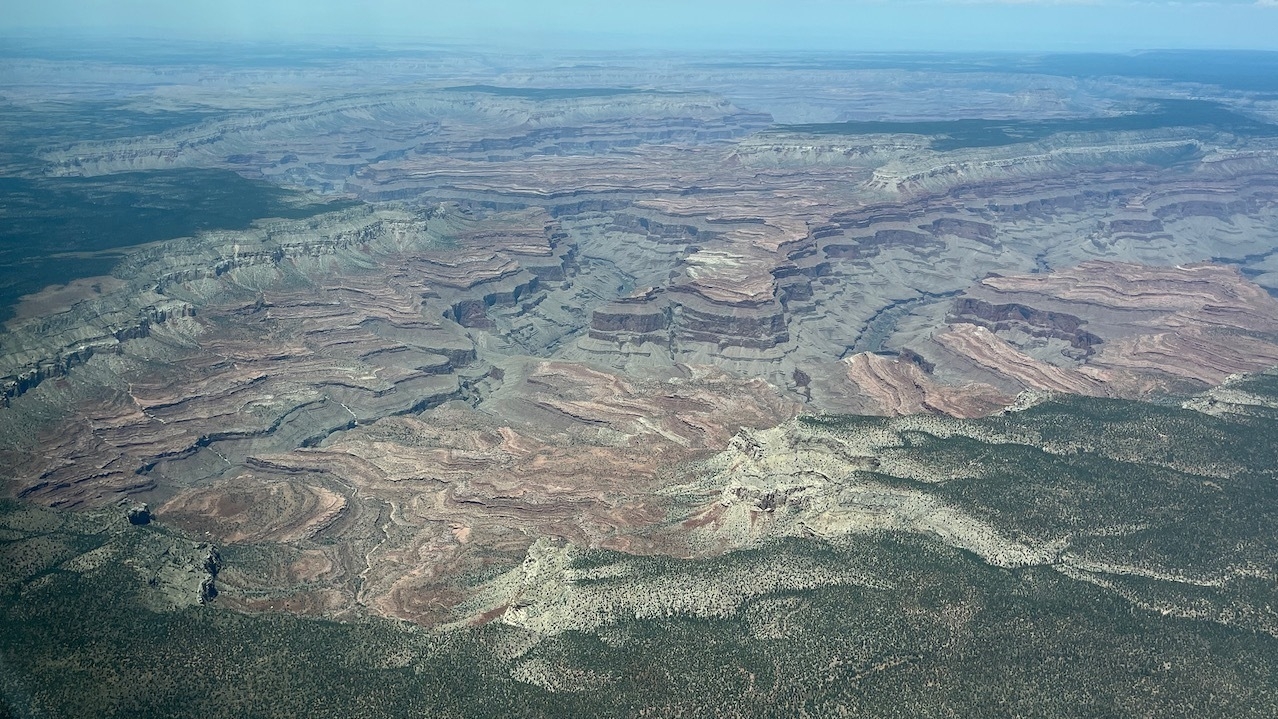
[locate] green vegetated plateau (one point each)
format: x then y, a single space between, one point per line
57 229
1183 626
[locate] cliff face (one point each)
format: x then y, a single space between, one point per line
319 388
766 252
321 376
1029 320
1149 322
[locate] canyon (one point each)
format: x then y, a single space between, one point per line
512 311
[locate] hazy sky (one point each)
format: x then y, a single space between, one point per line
849 25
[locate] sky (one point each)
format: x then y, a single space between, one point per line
846 25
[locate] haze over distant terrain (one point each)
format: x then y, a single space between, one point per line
476 372
846 25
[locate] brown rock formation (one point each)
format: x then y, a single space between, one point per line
901 387
245 509
1145 326
986 349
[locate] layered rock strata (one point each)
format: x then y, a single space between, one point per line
561 300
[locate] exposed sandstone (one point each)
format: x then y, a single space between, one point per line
901 387
983 347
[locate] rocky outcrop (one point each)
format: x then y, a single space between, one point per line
645 316
1020 318
901 387
868 247
50 348
1196 354
560 450
721 304
245 509
1147 327
1212 293
277 341
138 514
987 350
